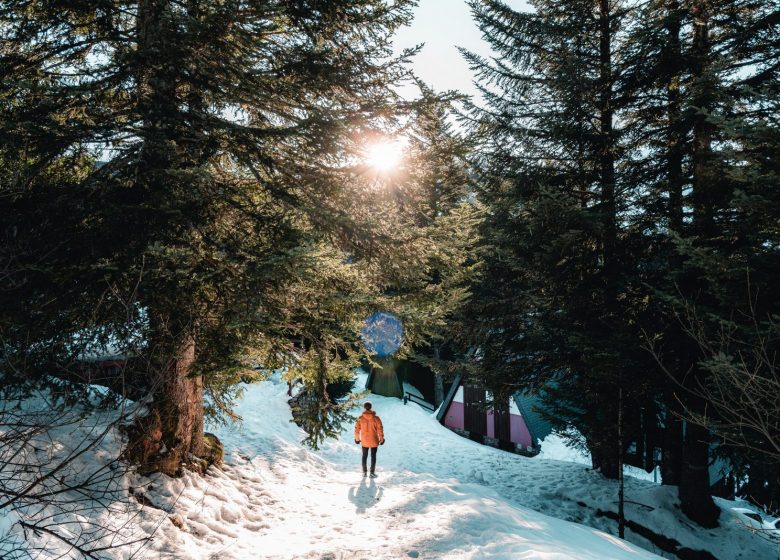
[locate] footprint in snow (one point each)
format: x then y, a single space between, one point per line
255 527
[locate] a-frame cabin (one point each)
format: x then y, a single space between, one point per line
514 426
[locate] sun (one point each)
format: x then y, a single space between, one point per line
384 155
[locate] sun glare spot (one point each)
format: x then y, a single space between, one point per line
385 155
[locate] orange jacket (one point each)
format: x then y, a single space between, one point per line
368 429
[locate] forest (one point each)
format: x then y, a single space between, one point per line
195 193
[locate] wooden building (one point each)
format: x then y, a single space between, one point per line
513 426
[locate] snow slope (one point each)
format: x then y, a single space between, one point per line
438 496
279 500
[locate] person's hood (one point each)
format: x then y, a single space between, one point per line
370 412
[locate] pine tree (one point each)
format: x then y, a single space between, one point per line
177 156
558 303
418 272
691 86
614 157
444 227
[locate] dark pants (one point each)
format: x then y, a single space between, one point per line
373 457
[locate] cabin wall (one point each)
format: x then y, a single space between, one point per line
519 434
519 431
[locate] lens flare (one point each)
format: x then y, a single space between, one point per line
383 333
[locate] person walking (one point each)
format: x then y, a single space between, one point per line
369 434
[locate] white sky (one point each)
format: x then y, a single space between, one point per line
444 25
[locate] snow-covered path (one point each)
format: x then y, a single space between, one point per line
438 496
433 498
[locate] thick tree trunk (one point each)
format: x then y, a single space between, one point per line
604 453
170 437
607 462
695 494
694 490
438 389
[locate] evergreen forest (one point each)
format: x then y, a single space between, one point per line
197 193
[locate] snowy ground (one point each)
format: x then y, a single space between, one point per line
437 496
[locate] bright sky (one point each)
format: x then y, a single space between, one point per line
444 25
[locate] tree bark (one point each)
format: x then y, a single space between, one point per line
675 124
438 380
607 153
671 461
604 452
621 484
694 490
676 131
170 437
609 448
703 174
438 389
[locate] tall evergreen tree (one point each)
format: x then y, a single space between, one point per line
176 157
614 165
557 305
444 227
696 66
418 206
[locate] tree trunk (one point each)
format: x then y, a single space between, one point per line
694 491
438 389
621 482
610 462
703 174
604 453
438 380
671 460
608 210
609 447
607 153
170 437
675 124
